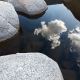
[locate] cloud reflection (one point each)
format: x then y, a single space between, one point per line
74 36
52 32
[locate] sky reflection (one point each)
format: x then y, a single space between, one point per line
52 32
74 36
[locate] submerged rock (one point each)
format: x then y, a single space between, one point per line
9 22
30 7
29 66
68 64
70 74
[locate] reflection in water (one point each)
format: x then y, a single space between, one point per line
74 35
31 16
52 32
73 6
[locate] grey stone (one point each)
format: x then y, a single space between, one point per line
29 66
31 7
9 22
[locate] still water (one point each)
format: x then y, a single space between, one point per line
56 33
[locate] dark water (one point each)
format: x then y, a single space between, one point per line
66 53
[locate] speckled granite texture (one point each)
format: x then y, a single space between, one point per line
29 66
30 7
9 22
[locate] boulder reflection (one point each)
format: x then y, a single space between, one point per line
31 17
50 2
74 36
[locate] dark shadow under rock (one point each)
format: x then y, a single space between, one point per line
31 16
50 2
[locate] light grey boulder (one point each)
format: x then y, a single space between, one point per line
29 66
9 22
30 7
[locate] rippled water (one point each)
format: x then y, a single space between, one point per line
56 33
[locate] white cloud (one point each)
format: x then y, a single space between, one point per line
74 36
52 32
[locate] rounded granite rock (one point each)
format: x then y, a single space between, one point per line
9 22
29 66
30 7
